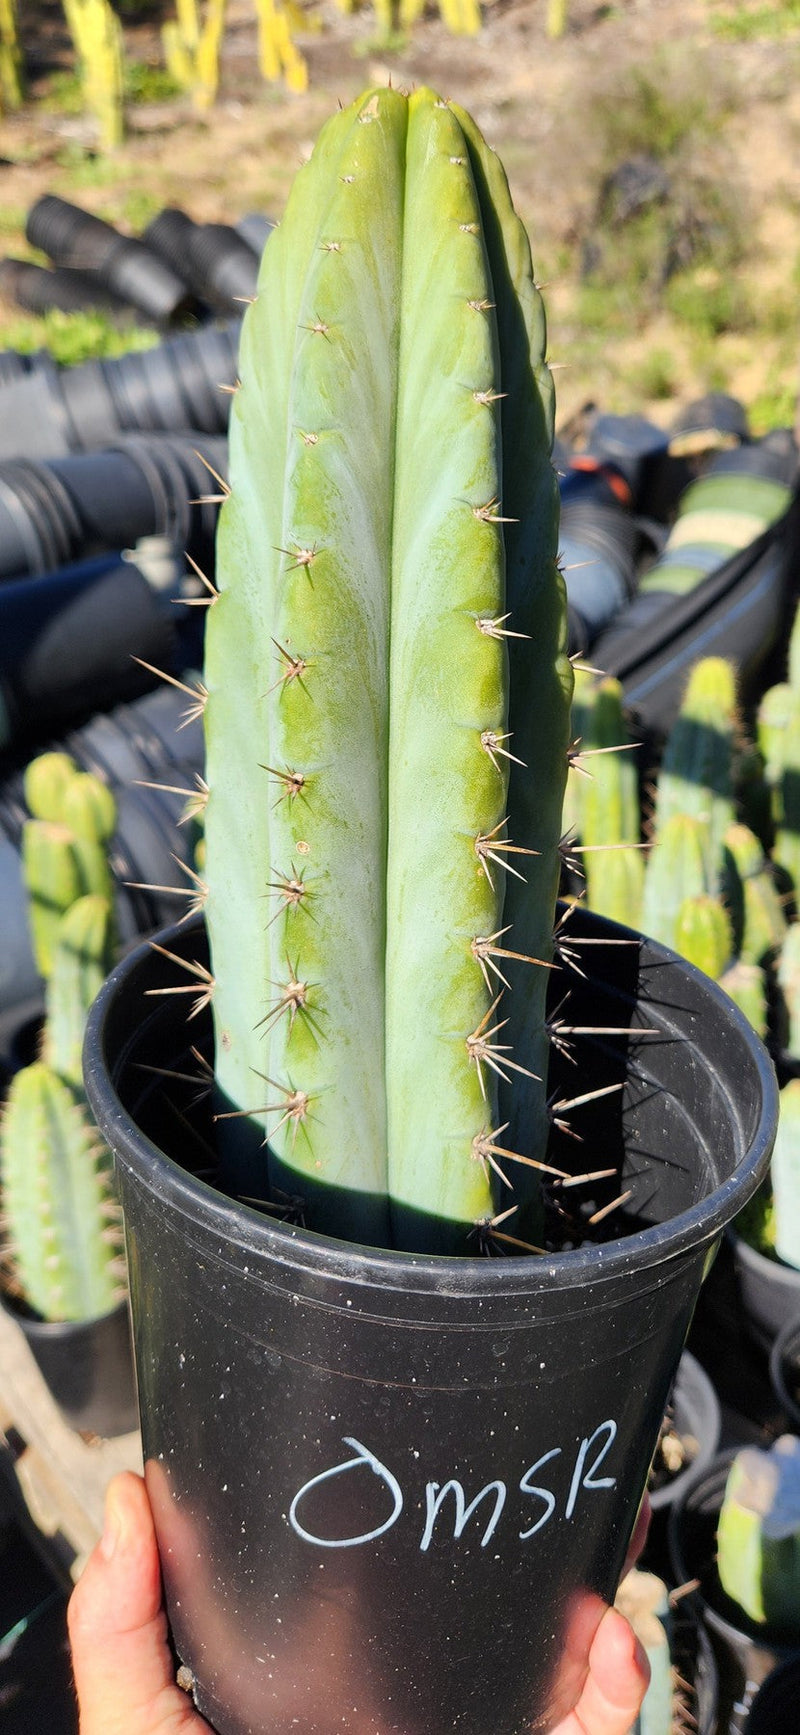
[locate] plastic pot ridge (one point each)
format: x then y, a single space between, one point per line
391 1491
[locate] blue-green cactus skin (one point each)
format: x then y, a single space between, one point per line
392 520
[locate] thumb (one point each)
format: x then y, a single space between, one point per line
123 1667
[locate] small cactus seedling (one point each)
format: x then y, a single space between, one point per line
786 1176
387 713
758 1533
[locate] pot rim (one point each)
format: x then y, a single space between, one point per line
701 1223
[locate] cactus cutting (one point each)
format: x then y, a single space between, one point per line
387 717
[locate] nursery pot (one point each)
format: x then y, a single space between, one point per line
784 1370
768 1291
87 1367
391 1490
750 1650
774 1708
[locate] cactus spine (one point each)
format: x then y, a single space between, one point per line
390 542
758 1533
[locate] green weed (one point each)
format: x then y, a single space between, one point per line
75 337
746 23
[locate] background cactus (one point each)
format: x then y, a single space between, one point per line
12 84
380 778
785 1173
65 845
61 1229
696 775
644 1601
97 34
758 1533
60 1216
192 48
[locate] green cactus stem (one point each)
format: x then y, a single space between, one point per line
752 897
61 1220
677 869
758 1533
583 696
611 803
704 935
746 986
615 883
83 957
388 695
65 845
697 769
12 77
785 1172
788 975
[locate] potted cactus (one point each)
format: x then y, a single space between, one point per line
367 1439
735 1533
63 1257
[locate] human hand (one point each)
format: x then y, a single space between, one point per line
124 1670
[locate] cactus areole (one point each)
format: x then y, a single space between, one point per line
387 709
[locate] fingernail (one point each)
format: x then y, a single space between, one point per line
112 1530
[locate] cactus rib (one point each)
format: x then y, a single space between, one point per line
392 501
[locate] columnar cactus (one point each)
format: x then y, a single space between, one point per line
644 1601
387 712
747 987
97 34
752 897
677 869
788 974
61 1219
65 845
703 934
696 775
786 1176
61 1229
758 1533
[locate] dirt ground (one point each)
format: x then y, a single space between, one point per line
547 107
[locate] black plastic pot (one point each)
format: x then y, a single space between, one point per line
87 1367
123 264
73 641
774 1710
390 1490
747 1652
784 1369
768 1291
183 383
696 1416
37 289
